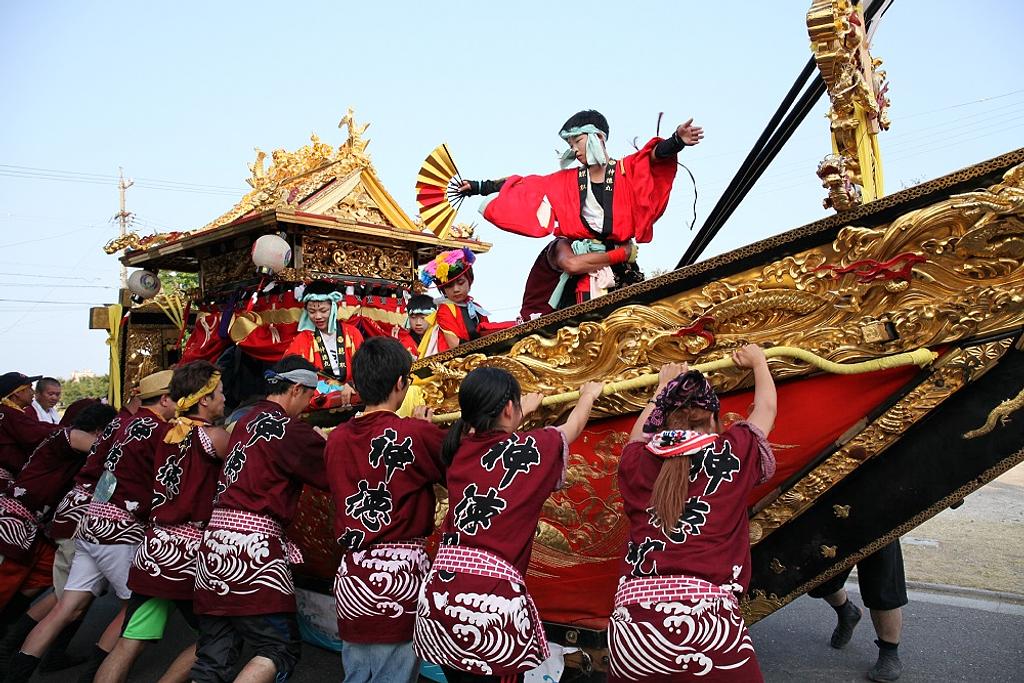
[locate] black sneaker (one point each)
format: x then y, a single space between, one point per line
887 668
848 619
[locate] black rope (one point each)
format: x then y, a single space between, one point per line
778 131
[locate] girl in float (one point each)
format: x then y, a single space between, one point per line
326 342
459 318
474 617
677 613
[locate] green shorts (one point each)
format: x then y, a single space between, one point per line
146 618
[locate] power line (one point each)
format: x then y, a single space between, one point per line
75 286
48 301
113 178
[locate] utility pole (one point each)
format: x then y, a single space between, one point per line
123 217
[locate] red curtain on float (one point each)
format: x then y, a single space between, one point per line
582 536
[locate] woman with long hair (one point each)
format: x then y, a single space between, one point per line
474 617
684 483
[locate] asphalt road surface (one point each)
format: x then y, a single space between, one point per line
946 637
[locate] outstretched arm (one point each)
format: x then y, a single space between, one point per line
482 187
577 421
765 400
685 135
669 371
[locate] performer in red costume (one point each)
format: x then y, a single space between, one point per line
244 587
326 342
382 469
599 207
474 617
677 614
459 318
185 471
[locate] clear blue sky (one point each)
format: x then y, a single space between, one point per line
182 92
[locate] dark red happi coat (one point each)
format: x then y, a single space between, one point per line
72 506
130 460
34 492
497 484
242 572
19 436
185 480
680 635
382 469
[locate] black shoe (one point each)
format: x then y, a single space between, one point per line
57 657
887 668
58 661
13 638
21 669
848 615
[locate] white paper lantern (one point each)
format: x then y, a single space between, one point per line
144 284
271 254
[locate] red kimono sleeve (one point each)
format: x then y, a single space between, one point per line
649 182
532 205
449 319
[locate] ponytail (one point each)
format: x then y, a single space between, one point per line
672 486
668 498
483 394
452 440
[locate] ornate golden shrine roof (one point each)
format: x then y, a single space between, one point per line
317 186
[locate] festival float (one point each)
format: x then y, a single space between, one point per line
894 330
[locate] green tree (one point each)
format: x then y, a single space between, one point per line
85 387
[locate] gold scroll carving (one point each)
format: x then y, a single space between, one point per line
349 258
226 268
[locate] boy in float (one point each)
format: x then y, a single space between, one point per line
474 617
420 311
326 342
382 469
600 208
459 318
679 465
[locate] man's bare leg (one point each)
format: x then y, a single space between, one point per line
112 633
118 663
180 670
258 670
888 624
70 607
42 607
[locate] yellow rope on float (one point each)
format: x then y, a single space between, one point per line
919 357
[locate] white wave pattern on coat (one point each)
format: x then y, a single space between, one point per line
166 555
72 506
695 637
17 532
103 531
382 582
492 632
240 563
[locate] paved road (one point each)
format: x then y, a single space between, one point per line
946 638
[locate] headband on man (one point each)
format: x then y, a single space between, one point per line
306 378
186 402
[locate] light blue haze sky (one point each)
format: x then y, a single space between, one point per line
183 91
